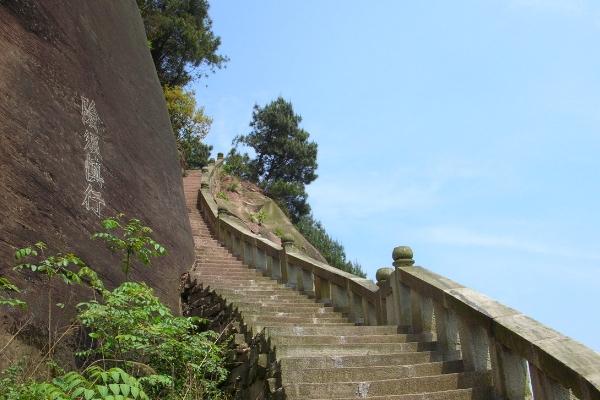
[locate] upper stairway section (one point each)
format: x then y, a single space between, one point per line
525 358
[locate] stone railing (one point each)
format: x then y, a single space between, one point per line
524 358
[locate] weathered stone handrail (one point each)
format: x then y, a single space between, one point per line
525 359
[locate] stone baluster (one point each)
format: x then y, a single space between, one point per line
510 373
287 242
446 325
387 306
403 257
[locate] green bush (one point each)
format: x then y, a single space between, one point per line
237 164
258 217
129 328
94 383
132 324
233 187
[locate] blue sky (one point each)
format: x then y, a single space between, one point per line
468 130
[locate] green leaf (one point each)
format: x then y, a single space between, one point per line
125 389
114 387
102 389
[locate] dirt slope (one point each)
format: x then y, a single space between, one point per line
258 212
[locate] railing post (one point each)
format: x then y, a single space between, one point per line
446 326
308 283
386 312
474 345
287 242
403 257
268 265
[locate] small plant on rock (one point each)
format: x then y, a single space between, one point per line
8 288
258 217
233 187
132 239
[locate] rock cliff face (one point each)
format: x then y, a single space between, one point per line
84 134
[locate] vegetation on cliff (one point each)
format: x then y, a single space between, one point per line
285 162
183 48
181 40
136 348
190 126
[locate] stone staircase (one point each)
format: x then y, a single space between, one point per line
321 354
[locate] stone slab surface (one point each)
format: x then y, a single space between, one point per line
68 67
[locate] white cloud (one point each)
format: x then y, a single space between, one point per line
364 197
460 236
363 194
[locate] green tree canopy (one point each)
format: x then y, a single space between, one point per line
180 36
190 126
283 151
285 159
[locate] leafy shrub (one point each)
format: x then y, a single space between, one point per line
132 324
258 217
237 164
129 327
70 268
96 384
233 187
132 239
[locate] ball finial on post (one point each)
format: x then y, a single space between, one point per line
403 256
383 274
287 240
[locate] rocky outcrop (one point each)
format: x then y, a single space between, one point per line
84 133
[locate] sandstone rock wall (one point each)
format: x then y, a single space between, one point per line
84 133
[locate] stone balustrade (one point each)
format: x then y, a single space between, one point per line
524 358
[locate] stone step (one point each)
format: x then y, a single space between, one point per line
342 339
245 274
217 259
275 319
458 394
300 311
403 358
201 275
278 306
271 300
241 282
354 331
291 313
225 266
262 293
357 374
351 349
368 389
